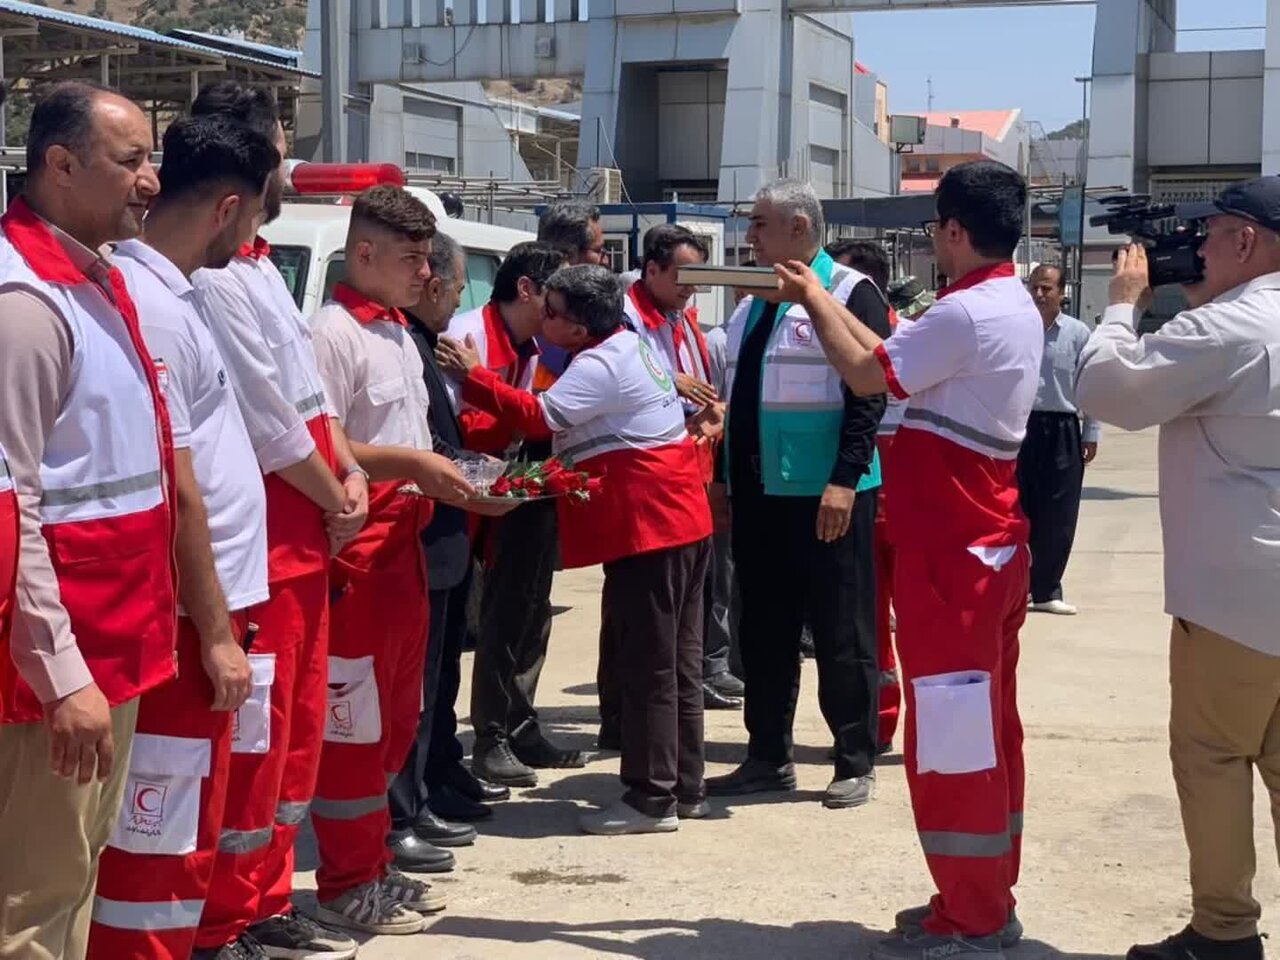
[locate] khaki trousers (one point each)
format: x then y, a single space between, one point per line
51 832
1225 720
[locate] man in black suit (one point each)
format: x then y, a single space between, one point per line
434 787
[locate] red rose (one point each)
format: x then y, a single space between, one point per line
551 467
501 487
517 483
559 483
533 487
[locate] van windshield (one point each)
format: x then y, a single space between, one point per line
293 264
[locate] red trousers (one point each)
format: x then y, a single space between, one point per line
154 875
958 622
274 761
890 688
378 644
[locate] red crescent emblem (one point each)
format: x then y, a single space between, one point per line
144 802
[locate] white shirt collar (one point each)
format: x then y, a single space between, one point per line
160 265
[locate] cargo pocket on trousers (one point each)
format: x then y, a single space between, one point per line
353 714
954 729
160 813
251 729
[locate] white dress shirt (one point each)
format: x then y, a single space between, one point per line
1210 378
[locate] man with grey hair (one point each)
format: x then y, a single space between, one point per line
433 786
801 448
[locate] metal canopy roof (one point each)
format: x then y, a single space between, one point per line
41 44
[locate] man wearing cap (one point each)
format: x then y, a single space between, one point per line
1206 378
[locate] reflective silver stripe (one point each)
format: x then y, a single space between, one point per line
348 809
64 496
944 843
1015 824
962 430
290 813
160 915
4 469
310 404
553 414
790 361
621 439
243 841
802 407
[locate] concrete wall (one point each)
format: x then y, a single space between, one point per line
1205 108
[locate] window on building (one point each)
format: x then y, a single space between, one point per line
428 162
931 165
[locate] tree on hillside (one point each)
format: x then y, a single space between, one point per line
262 21
1075 130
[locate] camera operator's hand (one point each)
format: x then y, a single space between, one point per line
1129 283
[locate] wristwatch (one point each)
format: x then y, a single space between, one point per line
355 468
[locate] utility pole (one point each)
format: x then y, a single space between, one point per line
335 25
1082 173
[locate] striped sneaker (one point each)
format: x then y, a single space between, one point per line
911 921
366 909
417 895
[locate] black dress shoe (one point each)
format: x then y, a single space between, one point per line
448 804
726 684
1190 945
713 699
753 776
440 833
538 751
462 781
414 855
498 764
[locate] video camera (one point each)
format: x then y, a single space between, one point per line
1172 243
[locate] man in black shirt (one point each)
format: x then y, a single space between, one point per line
801 468
434 787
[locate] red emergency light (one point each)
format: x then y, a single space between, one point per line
343 177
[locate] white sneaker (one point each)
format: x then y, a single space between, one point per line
1059 607
366 909
622 818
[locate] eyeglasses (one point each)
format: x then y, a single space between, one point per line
930 227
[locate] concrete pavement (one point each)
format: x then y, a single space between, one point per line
1103 857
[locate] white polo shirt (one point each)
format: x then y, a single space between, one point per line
372 371
205 418
269 355
968 369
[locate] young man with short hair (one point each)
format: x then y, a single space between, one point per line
967 368
519 551
373 378
316 496
162 851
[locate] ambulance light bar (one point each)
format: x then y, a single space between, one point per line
314 178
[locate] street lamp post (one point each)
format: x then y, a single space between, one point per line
1082 171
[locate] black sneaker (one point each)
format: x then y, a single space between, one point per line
534 750
293 936
245 948
1189 945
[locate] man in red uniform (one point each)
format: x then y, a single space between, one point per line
519 550
315 492
869 257
615 412
155 872
970 367
372 374
96 609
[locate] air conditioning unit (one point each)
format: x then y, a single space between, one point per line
414 52
544 48
604 185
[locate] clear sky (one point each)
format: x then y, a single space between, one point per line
987 59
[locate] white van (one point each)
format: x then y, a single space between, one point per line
308 237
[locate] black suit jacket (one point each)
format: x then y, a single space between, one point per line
446 540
